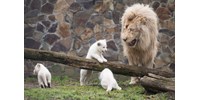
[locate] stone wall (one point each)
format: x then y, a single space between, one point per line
71 26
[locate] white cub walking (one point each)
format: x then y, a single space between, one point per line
95 51
108 81
43 74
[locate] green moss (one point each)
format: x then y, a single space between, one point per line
65 88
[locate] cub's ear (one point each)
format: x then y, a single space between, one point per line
38 65
98 44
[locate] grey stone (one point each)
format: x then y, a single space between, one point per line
35 4
111 45
119 1
167 32
31 20
41 17
172 67
75 7
155 5
117 36
45 46
58 47
40 27
30 43
88 4
108 15
43 2
89 25
28 30
83 52
51 38
116 16
52 1
96 19
93 40
172 43
166 49
80 1
163 39
46 23
158 54
118 28
47 8
163 1
110 55
77 44
52 18
81 17
26 9
63 45
27 2
131 2
32 13
37 36
68 19
52 29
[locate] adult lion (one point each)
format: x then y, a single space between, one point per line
139 36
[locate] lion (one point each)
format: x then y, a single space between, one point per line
139 36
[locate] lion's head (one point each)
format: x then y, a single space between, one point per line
135 33
138 27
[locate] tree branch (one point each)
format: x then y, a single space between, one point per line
83 63
158 84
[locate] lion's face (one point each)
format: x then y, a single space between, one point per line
131 35
135 32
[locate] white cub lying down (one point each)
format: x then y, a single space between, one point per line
95 51
107 80
43 74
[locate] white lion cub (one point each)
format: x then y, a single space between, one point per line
95 51
108 81
43 74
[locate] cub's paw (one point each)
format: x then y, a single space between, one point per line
119 88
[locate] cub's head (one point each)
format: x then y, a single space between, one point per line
37 68
102 46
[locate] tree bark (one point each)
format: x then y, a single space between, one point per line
155 83
90 64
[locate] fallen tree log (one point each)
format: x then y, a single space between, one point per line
155 83
89 64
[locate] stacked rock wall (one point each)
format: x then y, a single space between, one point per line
71 26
